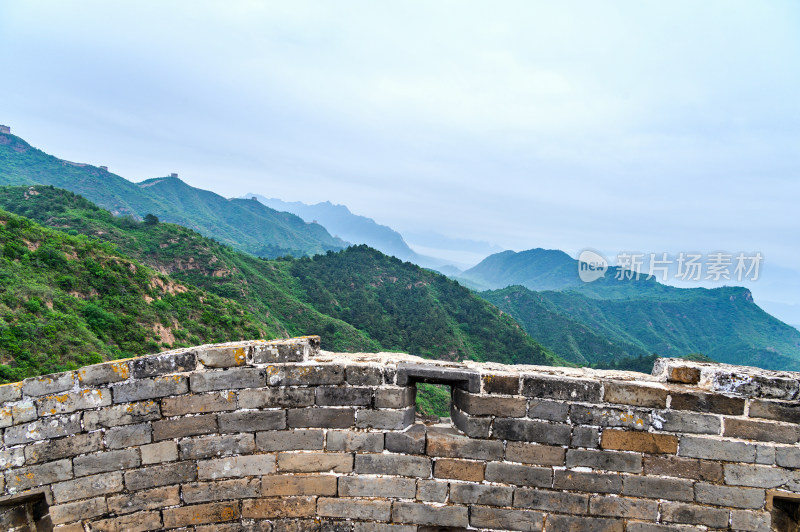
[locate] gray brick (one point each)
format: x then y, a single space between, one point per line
156 453
87 487
499 518
91 464
162 364
160 475
585 437
728 496
464 378
139 522
137 501
712 449
568 523
290 440
673 512
532 431
395 397
474 427
481 405
75 511
291 350
551 501
501 384
305 375
129 435
15 457
788 457
343 396
345 440
167 429
208 446
65 403
750 521
707 402
393 464
198 403
605 460
236 466
432 490
547 410
563 388
150 388
635 394
747 429
519 474
315 462
786 411
449 444
64 447
124 414
332 418
229 379
224 356
364 375
221 490
105 373
623 507
411 441
21 412
287 485
758 476
252 421
384 419
461 493
610 417
423 514
43 429
591 482
658 488
687 422
38 475
276 398
48 384
404 488
354 509
10 392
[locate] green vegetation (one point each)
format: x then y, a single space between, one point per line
433 399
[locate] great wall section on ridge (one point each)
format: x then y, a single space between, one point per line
280 436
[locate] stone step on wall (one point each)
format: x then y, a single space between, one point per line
280 436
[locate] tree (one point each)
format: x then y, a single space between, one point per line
151 219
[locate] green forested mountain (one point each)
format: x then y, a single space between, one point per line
243 224
722 323
324 295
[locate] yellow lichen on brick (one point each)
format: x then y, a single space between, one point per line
121 369
239 355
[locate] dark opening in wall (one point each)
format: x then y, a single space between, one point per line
785 510
27 513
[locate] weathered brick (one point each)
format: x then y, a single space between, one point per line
198 403
458 469
48 384
156 453
75 511
481 494
241 488
410 441
345 440
305 375
531 453
687 422
223 356
124 414
138 501
622 507
160 475
787 457
393 464
286 485
290 350
478 405
315 462
638 526
750 521
228 379
129 435
384 419
729 496
236 466
757 476
707 402
364 375
343 396
65 403
548 410
138 522
334 418
43 429
502 384
276 398
658 488
6 416
684 375
16 457
585 437
423 514
564 388
355 509
532 431
138 390
283 507
605 460
643 442
609 417
167 429
552 501
520 475
395 397
474 427
208 446
105 373
448 443
162 364
786 411
456 377
584 481
38 475
91 464
290 440
87 487
569 523
712 449
635 394
251 421
432 490
674 512
673 466
499 518
10 392
21 412
64 447
215 512
761 430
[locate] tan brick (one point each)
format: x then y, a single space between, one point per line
452 445
137 501
138 522
284 485
315 462
458 469
532 453
86 487
156 453
198 403
240 488
672 466
75 511
684 375
643 442
635 394
198 514
283 507
365 510
761 430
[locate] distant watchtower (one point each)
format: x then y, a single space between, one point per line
5 129
173 174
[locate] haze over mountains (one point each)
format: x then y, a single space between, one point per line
530 306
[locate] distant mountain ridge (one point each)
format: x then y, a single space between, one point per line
246 225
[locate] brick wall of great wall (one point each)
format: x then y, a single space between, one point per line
278 436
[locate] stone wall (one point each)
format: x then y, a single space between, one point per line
278 436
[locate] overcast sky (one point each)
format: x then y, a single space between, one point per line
651 126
